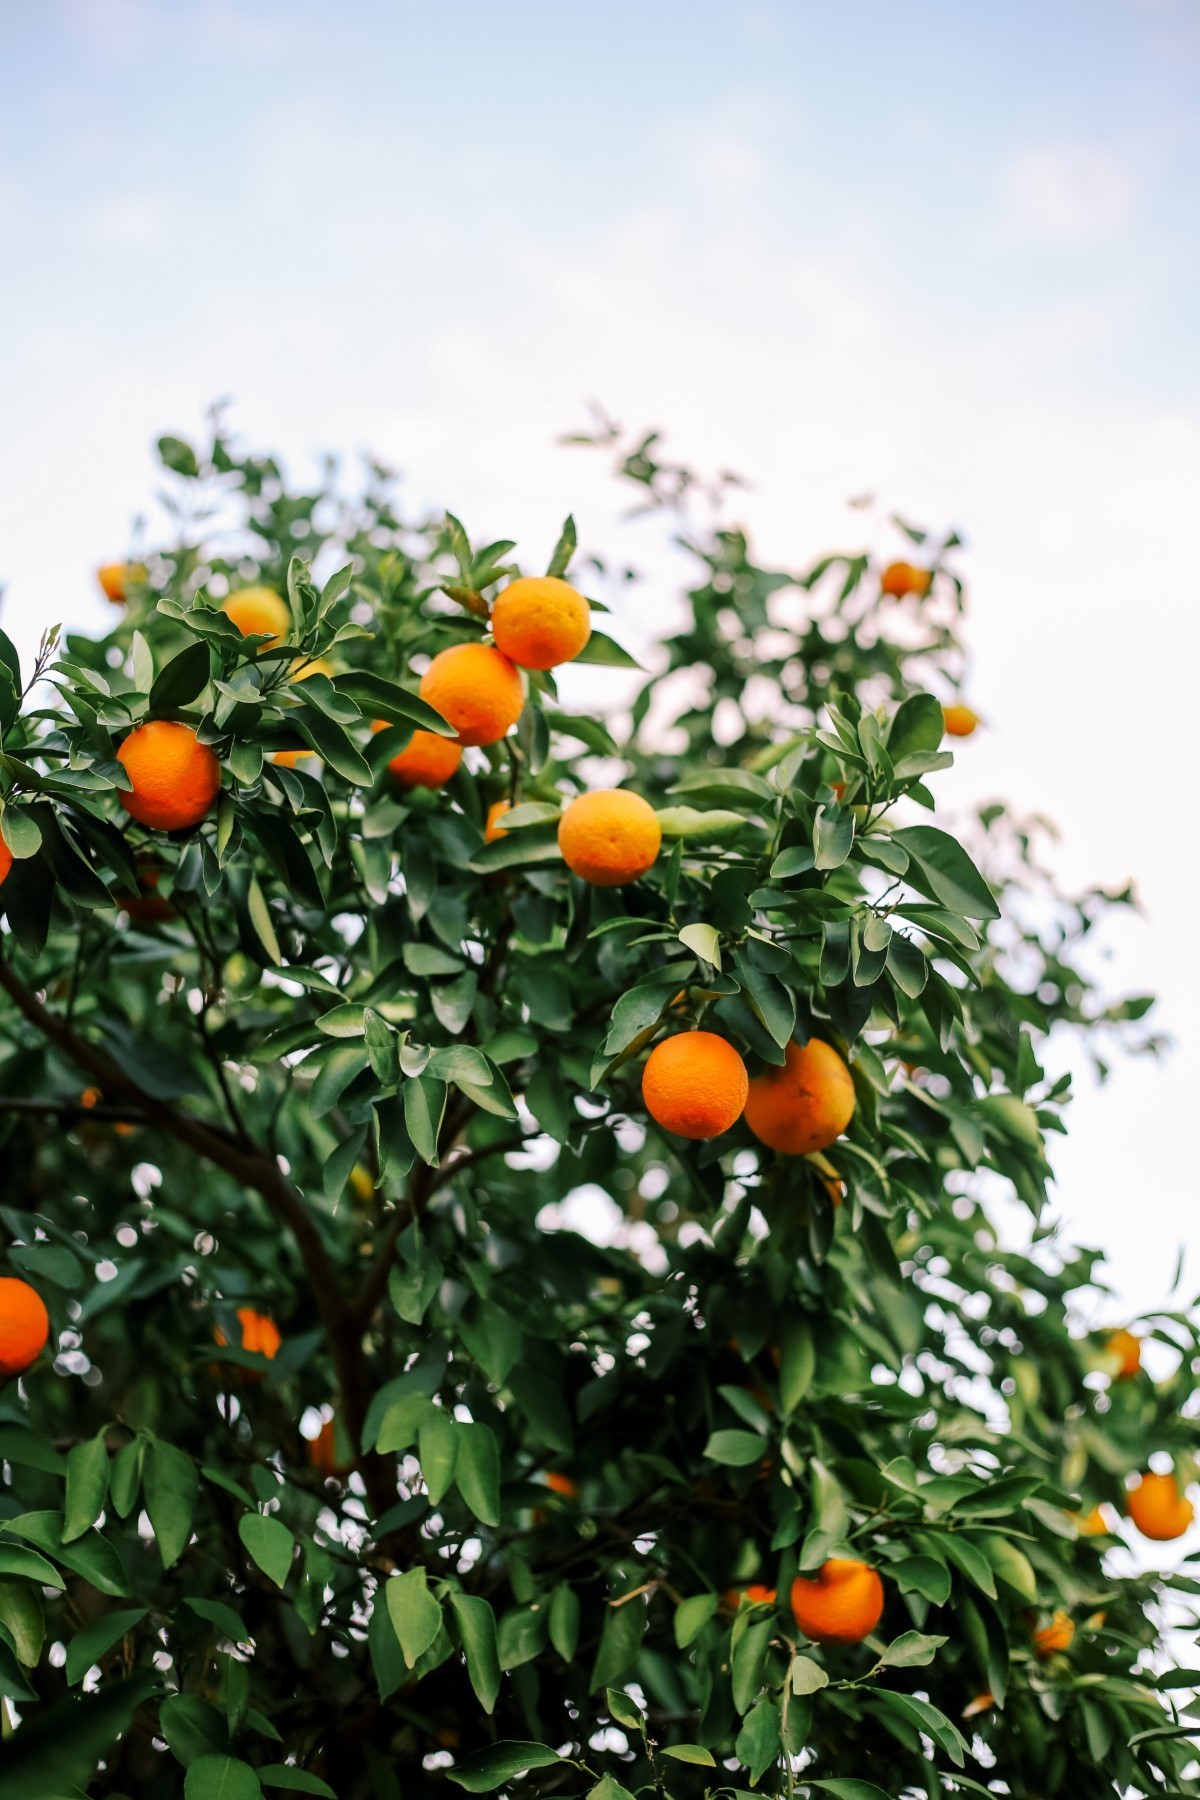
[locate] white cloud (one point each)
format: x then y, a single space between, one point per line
1067 194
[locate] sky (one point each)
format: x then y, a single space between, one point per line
941 254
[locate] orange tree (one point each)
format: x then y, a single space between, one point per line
522 1305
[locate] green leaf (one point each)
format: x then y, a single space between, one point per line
264 926
57 1749
807 1676
703 941
564 550
22 1618
689 822
21 832
477 1629
489 1769
911 1651
692 1615
690 1753
91 1555
945 872
601 649
438 1451
296 1781
625 1711
477 1471
269 1544
87 1485
90 1644
215 1612
178 456
1012 1566
917 725
737 1449
415 1614
424 1103
221 1778
179 682
620 1639
757 1743
833 838
171 1487
850 1790
564 1621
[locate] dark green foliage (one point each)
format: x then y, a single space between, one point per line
300 1101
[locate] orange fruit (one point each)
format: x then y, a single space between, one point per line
290 759
116 579
959 719
558 1483
842 1605
754 1595
980 1704
540 621
6 861
427 760
477 691
257 610
1091 1524
145 906
1157 1507
609 836
804 1105
695 1084
1128 1350
90 1097
901 578
175 778
493 829
24 1326
1055 1637
259 1332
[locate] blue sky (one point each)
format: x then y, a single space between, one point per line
942 253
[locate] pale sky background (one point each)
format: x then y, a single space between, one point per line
942 253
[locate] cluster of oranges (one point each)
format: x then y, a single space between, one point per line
696 1085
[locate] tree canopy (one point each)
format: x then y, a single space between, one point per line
420 1415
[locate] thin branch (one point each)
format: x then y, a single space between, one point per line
70 1109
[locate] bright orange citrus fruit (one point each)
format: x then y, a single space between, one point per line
175 778
1055 1638
6 861
842 1605
1157 1507
427 760
540 621
806 1104
609 837
476 689
1128 1350
695 1084
960 721
116 579
24 1326
257 610
493 829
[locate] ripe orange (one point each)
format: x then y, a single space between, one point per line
24 1326
756 1594
842 1605
477 691
1055 1637
259 609
6 861
558 1483
289 759
540 621
90 1097
427 760
1091 1524
1157 1507
146 906
901 578
980 1704
959 719
175 778
493 829
259 1332
806 1104
116 579
609 837
1128 1350
695 1084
